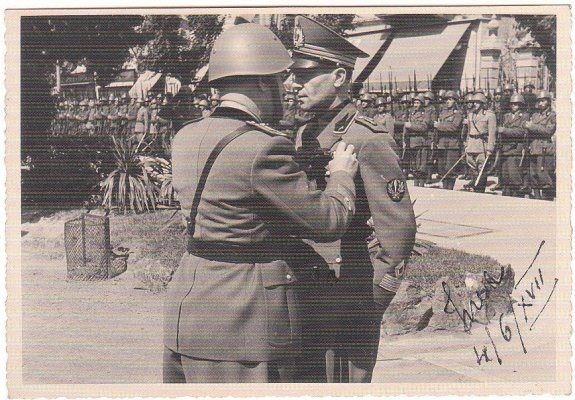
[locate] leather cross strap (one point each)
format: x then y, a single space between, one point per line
206 171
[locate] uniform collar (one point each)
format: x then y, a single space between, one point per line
242 103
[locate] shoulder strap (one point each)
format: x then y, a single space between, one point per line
206 171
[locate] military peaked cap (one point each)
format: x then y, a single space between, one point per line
315 44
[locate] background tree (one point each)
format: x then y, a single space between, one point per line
544 30
176 44
338 22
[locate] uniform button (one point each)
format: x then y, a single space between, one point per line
288 277
338 260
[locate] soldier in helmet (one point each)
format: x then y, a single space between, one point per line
131 115
165 115
429 105
480 143
448 131
432 110
92 117
401 116
441 97
530 97
541 129
417 133
82 117
384 118
142 120
104 113
231 314
153 124
513 135
366 108
123 114
113 115
355 304
508 90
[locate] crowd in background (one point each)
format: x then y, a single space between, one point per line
506 133
440 136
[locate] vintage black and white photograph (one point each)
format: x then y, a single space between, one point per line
296 195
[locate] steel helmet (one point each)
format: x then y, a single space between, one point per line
247 49
517 98
429 95
509 86
498 90
529 84
380 101
366 97
469 97
480 97
450 94
543 94
420 97
405 99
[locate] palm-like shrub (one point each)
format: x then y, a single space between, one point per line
160 172
128 187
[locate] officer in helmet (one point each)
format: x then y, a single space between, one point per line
480 143
514 147
231 311
541 130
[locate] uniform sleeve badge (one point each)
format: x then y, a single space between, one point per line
396 189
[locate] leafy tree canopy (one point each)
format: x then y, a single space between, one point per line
543 28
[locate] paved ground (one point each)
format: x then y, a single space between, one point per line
110 332
510 230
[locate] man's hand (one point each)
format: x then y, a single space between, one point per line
408 124
435 124
488 153
344 159
500 129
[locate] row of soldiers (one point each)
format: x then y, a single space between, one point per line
511 135
113 116
147 122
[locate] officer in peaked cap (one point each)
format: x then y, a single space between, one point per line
349 326
231 314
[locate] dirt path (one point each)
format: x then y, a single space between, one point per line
84 332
